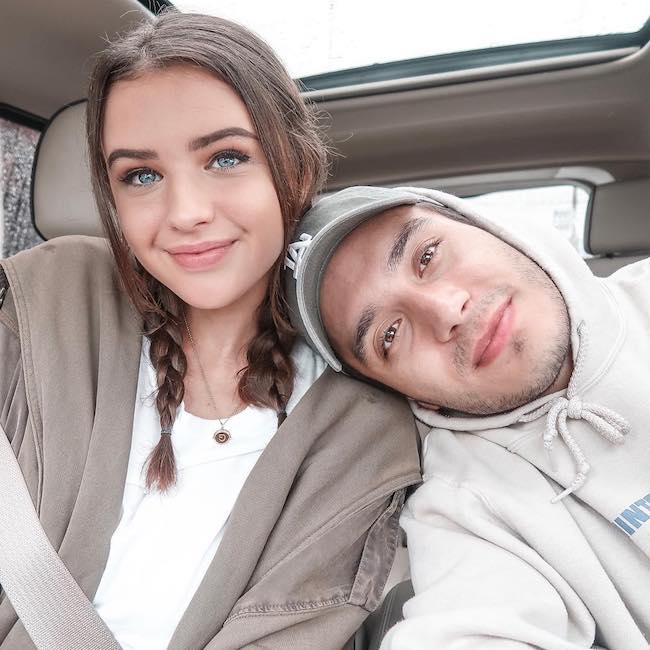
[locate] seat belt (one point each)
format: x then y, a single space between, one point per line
50 604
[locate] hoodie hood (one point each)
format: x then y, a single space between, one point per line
597 332
597 329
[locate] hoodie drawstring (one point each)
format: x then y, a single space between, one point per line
609 424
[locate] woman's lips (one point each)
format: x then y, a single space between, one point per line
496 337
201 256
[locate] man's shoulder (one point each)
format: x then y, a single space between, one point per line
639 270
630 286
371 397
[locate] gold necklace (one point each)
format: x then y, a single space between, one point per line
221 435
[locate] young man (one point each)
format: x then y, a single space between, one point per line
532 527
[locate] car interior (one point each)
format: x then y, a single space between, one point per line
556 130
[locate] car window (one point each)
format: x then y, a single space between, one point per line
562 206
323 36
17 147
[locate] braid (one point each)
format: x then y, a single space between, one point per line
267 380
163 327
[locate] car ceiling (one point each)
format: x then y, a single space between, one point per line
46 47
587 115
587 111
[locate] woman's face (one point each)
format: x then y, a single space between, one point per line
192 187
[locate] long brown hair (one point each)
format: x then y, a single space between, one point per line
289 136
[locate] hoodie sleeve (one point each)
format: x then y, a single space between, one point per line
478 585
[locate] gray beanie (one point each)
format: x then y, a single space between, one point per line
318 234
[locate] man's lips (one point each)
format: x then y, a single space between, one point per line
201 255
496 335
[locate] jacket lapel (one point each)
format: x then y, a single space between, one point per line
256 511
97 510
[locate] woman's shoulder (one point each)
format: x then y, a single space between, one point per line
68 249
369 409
63 260
66 275
361 437
310 366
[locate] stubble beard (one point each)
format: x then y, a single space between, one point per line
545 368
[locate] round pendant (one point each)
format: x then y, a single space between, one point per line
222 436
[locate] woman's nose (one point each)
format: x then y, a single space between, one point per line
189 203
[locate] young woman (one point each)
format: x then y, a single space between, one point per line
145 388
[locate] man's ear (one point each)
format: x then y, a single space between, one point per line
427 405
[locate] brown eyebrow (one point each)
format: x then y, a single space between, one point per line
401 240
138 154
206 140
366 319
194 145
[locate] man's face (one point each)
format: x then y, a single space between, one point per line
444 312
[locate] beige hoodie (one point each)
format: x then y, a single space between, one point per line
501 556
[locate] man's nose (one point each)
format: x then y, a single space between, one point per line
443 307
189 202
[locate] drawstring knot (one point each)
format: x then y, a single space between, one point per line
295 252
574 408
609 424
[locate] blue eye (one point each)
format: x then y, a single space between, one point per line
141 177
228 159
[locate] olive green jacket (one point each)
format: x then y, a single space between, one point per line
311 538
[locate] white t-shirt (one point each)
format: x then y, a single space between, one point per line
164 544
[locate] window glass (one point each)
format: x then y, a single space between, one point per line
562 206
321 36
17 147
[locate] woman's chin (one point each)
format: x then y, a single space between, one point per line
208 303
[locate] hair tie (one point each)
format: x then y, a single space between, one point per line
166 431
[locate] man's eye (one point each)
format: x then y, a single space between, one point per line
141 177
388 337
228 159
428 254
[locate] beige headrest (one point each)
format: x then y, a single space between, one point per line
62 199
619 220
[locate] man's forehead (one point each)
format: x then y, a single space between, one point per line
368 247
